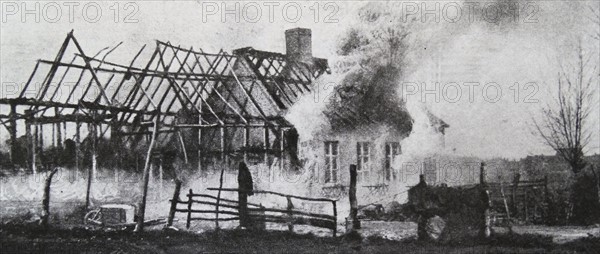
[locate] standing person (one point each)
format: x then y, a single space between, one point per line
246 188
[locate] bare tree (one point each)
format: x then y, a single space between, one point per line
565 126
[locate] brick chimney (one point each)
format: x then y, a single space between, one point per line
298 44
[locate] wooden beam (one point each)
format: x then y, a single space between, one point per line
40 133
83 69
223 156
174 202
77 143
274 193
91 170
142 205
125 76
13 133
266 145
352 197
30 143
54 68
130 97
246 142
37 64
89 105
180 87
58 131
281 148
92 71
61 80
217 93
270 91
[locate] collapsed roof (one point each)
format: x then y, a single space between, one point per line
248 87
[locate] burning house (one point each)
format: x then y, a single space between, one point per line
215 109
366 123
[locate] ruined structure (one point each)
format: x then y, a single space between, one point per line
207 106
211 109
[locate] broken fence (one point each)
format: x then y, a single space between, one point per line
256 212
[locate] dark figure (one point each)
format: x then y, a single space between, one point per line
292 138
245 186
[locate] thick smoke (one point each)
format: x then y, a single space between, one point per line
512 51
517 54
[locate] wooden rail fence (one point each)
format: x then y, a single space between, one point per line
521 200
256 212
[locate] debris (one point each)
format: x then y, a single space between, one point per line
394 211
171 228
371 211
434 227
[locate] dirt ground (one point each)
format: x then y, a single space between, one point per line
32 239
562 234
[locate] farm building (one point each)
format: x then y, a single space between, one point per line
206 107
373 147
213 109
366 122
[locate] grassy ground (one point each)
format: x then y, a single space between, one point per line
31 239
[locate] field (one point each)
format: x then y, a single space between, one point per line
31 239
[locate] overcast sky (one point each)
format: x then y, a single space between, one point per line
527 51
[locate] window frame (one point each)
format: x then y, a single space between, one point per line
392 151
364 160
331 169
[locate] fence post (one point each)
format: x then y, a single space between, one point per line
485 230
219 198
290 206
145 177
174 202
515 188
526 203
546 189
352 196
335 220
46 199
505 203
189 208
482 174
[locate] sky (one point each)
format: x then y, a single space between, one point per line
519 57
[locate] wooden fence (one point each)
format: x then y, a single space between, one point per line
256 212
522 200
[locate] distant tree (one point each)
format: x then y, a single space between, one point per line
566 125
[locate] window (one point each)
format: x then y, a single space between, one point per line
392 149
363 164
331 161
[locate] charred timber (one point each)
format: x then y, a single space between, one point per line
152 73
87 105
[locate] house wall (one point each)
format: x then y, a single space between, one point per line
312 153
